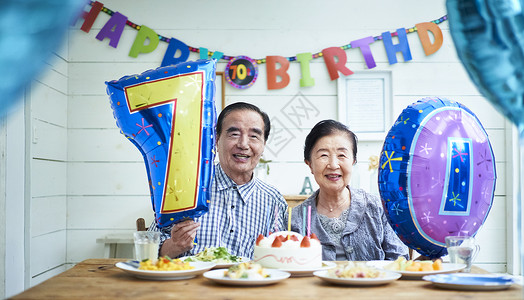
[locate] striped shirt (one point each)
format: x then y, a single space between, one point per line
237 215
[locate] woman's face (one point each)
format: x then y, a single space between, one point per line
332 162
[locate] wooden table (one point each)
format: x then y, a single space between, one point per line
100 279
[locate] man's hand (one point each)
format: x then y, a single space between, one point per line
182 237
423 257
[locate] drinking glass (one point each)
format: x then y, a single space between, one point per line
146 245
462 250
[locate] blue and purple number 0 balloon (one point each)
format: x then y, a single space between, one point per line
169 114
436 174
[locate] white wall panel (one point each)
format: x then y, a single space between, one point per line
49 141
90 112
299 111
48 251
483 109
500 187
48 178
101 145
55 79
48 214
98 179
48 104
111 212
90 78
491 236
57 61
426 78
47 138
81 244
289 177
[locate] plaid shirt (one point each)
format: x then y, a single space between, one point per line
237 215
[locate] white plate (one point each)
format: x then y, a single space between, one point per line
220 265
389 276
200 267
274 277
309 272
472 282
446 268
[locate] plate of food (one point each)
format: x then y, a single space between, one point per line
472 282
218 255
416 269
309 272
164 269
246 274
359 274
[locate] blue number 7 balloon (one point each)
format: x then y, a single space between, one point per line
169 115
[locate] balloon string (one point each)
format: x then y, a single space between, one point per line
309 220
304 221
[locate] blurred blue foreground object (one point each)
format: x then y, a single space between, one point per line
489 38
30 30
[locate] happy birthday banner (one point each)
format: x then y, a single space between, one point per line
242 71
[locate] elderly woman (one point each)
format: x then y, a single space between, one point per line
350 223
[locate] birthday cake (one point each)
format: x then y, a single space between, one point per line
289 251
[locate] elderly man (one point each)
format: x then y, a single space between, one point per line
242 206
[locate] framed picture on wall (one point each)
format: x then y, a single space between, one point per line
364 104
220 94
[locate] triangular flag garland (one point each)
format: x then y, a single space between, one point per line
242 71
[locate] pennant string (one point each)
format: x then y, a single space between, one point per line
263 60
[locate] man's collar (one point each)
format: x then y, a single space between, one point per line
225 182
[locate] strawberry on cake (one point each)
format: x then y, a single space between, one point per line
288 250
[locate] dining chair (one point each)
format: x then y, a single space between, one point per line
140 224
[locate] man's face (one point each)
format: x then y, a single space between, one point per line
241 144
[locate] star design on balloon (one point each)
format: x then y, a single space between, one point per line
485 159
170 190
390 158
459 154
401 121
154 161
143 127
461 228
431 252
427 99
425 148
455 199
194 80
396 208
453 116
438 181
427 216
151 184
